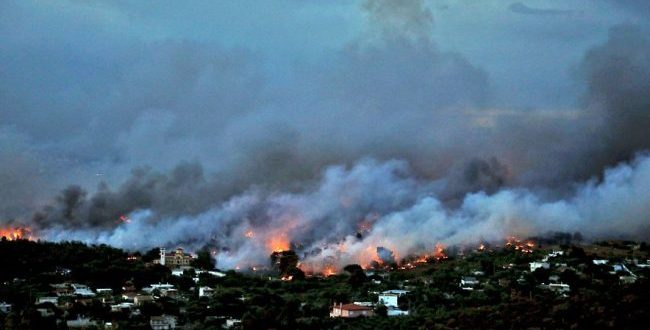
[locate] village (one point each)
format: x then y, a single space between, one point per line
519 283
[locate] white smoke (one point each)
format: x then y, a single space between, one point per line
390 208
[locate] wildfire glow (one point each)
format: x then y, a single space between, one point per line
439 252
278 243
518 245
17 233
249 233
329 271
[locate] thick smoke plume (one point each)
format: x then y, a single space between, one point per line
397 215
387 140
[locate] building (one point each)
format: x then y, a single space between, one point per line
122 307
536 265
559 287
351 311
141 299
82 290
53 300
177 259
81 323
206 291
163 322
389 298
4 307
468 282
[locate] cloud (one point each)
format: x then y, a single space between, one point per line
521 8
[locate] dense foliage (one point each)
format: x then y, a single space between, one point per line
510 296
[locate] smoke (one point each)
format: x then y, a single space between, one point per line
385 255
385 139
402 215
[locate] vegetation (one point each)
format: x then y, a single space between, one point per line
510 296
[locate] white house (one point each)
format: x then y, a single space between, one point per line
559 287
81 323
104 291
389 298
53 300
122 307
82 290
206 291
600 261
163 322
393 311
468 282
536 265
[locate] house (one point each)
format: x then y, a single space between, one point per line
81 323
627 279
141 299
232 323
82 290
53 300
394 311
160 287
122 307
45 311
536 265
559 287
178 272
600 261
129 296
351 311
62 289
389 298
174 260
162 322
104 291
206 291
468 282
4 307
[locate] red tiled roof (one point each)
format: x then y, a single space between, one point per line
353 307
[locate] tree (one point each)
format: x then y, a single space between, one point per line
203 260
357 275
151 255
284 261
381 310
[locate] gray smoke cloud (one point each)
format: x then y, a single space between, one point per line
398 214
384 136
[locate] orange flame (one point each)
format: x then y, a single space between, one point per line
278 243
516 244
439 252
17 233
249 233
329 271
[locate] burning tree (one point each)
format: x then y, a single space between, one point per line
284 261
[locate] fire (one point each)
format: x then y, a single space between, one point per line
17 233
278 243
481 247
439 252
249 233
518 245
329 271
